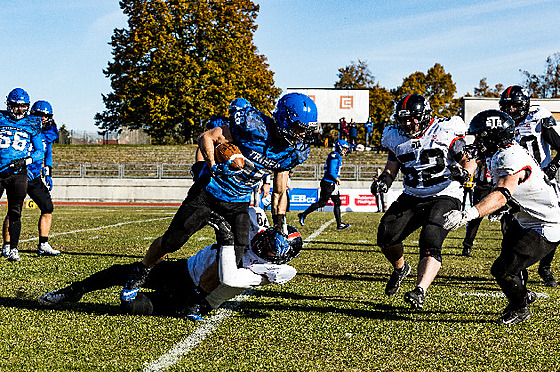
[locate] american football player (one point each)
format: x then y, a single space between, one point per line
535 229
21 145
269 145
329 185
535 130
430 154
36 189
176 283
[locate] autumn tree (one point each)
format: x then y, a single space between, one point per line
484 89
181 61
546 85
437 86
359 76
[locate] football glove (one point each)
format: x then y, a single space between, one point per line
223 169
378 186
17 165
459 173
224 235
550 170
454 219
47 173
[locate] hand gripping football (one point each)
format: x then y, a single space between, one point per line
228 152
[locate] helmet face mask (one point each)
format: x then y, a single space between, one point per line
413 115
296 117
18 103
515 102
272 246
44 110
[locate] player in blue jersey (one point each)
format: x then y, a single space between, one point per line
20 145
36 189
329 185
270 145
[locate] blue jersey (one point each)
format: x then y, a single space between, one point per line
332 167
48 136
254 133
19 139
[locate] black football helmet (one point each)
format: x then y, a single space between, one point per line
492 129
413 106
276 248
515 102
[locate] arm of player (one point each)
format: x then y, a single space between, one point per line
37 142
221 294
551 137
209 139
233 276
277 274
505 187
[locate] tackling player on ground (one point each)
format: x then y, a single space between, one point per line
535 229
36 189
269 145
20 146
175 283
535 131
429 153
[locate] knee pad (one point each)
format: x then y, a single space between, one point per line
141 305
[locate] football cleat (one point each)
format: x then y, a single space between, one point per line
546 274
196 312
6 250
67 294
415 298
14 255
396 278
301 218
343 226
466 251
512 317
45 249
136 280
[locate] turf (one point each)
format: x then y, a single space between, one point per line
334 316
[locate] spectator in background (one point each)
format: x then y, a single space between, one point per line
317 134
343 129
369 131
353 131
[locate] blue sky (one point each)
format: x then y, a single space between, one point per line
57 49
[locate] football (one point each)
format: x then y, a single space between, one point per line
228 151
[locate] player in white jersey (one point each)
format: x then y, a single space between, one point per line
535 130
535 230
429 153
176 283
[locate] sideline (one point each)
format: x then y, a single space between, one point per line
210 324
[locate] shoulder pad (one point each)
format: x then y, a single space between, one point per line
453 124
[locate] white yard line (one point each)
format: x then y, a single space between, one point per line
210 324
99 228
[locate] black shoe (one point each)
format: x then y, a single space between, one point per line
547 277
66 294
343 226
301 217
135 281
511 317
415 298
396 278
196 312
466 251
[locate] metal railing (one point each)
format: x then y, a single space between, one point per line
308 172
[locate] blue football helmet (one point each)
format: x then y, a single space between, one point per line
340 145
296 117
276 248
18 103
216 121
237 104
42 108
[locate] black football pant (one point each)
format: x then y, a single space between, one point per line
40 194
170 280
16 189
325 194
521 248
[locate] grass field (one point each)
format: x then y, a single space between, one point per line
334 316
